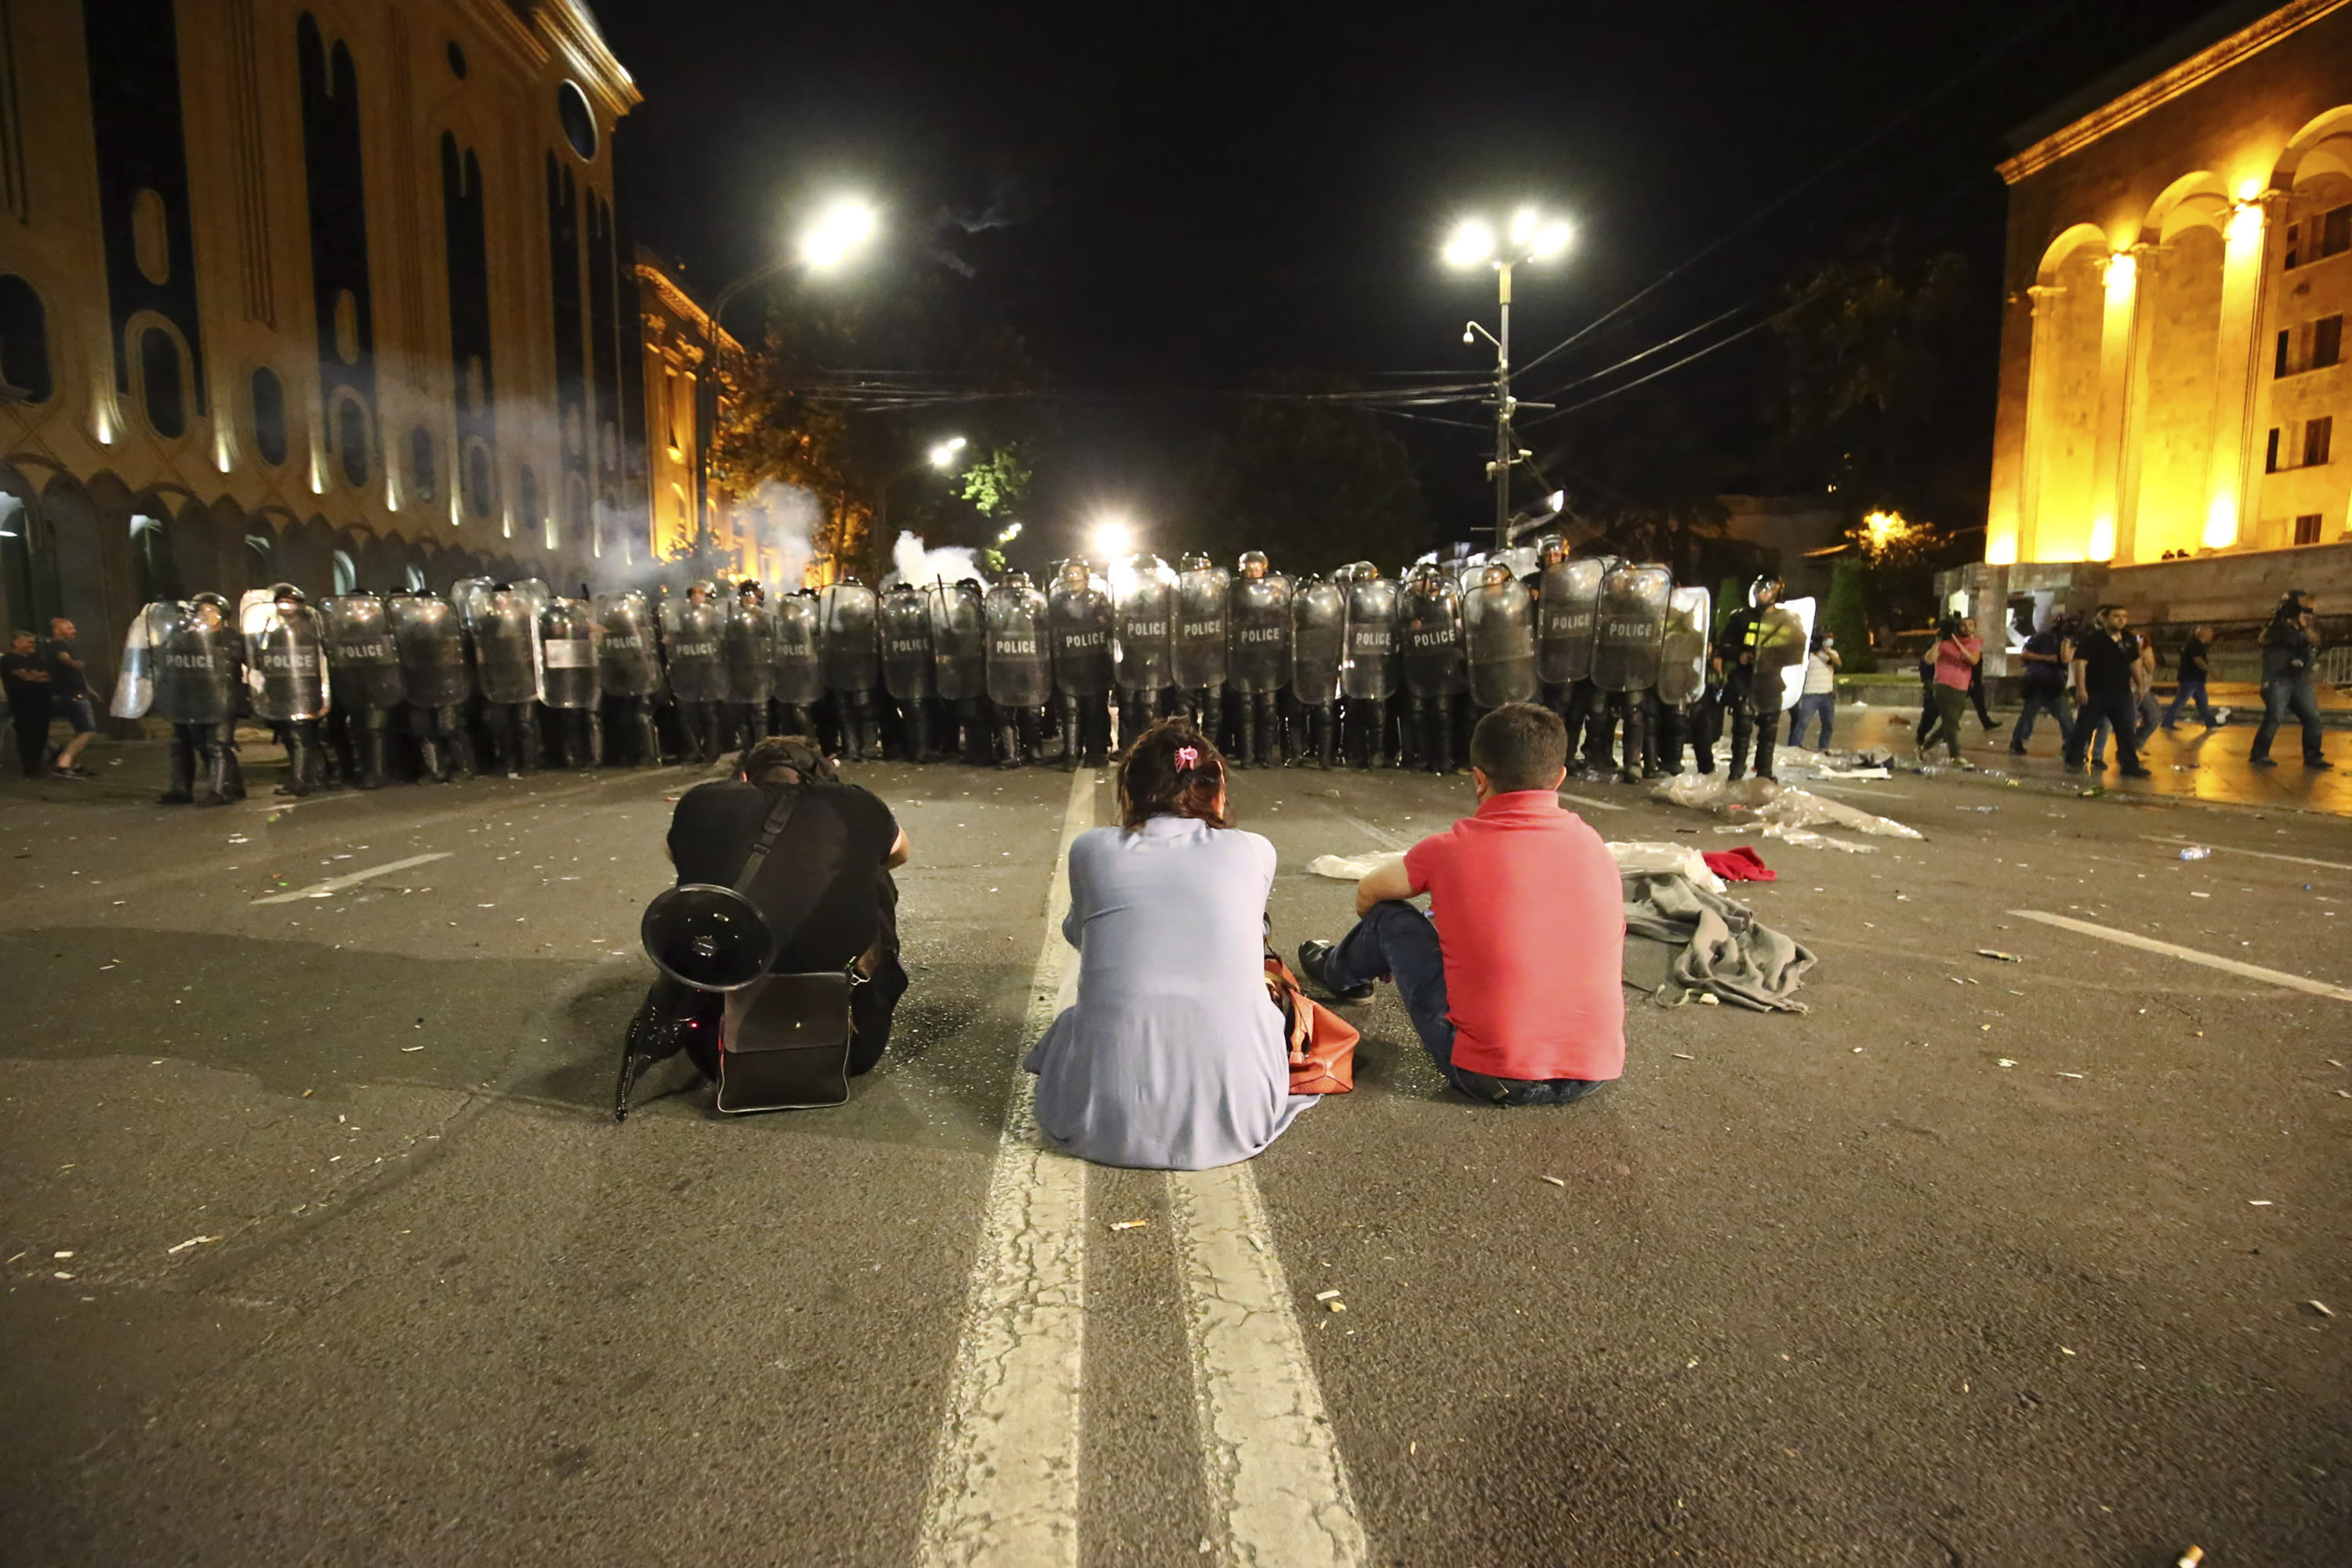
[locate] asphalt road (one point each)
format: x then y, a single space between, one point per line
320 1245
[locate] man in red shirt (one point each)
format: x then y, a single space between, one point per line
1513 980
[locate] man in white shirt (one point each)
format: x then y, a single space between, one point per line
1819 699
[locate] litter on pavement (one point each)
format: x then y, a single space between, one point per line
1774 806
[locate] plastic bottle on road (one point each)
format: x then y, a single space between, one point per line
2195 852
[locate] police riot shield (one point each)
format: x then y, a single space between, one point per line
505 628
1018 673
567 650
433 661
1078 622
1682 655
959 641
1259 618
747 653
851 645
1145 623
1498 625
285 659
1318 616
906 645
179 666
1569 598
360 660
1781 651
1372 667
1200 627
628 657
799 671
1431 627
690 634
1628 633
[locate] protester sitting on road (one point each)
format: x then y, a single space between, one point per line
1514 981
2290 649
68 699
825 888
25 680
1819 700
2195 665
2106 664
1173 1057
2045 656
1958 653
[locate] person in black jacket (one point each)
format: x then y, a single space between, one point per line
2290 649
2107 659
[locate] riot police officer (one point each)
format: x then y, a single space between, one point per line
364 668
851 650
504 625
1258 613
180 663
799 669
1145 624
440 679
571 686
1568 599
1019 679
285 646
1498 626
691 633
747 652
958 622
629 671
1436 673
1077 619
1373 666
1201 654
1756 643
1319 618
1682 678
1627 636
907 673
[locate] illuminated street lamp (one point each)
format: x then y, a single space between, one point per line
1112 537
940 455
1530 235
840 230
943 456
1008 533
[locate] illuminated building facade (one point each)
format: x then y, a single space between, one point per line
2180 266
325 290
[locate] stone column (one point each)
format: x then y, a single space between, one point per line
2041 370
2240 393
2144 259
2108 435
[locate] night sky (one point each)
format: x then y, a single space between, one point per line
1169 202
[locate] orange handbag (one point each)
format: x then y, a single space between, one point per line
1322 1043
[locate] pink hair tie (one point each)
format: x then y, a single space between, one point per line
1187 759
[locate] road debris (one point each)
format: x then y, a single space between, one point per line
2070 1075
1327 1295
2322 1307
2003 1062
191 1241
1129 1223
2190 1558
1995 953
1335 1306
2196 852
2259 1204
1555 1181
1678 1055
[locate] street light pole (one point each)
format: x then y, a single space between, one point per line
1530 237
1505 452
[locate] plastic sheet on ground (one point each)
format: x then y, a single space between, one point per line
1771 806
1676 859
1349 868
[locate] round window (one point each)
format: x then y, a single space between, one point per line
578 120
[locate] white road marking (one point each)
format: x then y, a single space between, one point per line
2257 854
333 885
2170 950
1004 1477
1587 800
1277 1488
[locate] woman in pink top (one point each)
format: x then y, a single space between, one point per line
1957 655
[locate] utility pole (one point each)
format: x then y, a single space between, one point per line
1530 237
1506 451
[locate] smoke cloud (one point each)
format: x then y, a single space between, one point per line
911 563
789 519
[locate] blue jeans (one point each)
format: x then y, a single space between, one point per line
1811 706
2288 694
1396 942
2038 701
2192 687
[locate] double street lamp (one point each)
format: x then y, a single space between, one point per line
839 231
1529 237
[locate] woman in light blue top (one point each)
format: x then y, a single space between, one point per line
1174 1057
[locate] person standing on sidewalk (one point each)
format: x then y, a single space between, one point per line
25 680
2195 665
69 698
1819 699
2045 657
2290 649
2107 661
1957 656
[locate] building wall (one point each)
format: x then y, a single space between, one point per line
2148 281
278 299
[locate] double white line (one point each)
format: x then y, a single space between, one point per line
1005 1477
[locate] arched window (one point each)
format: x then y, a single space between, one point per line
24 343
579 122
155 573
351 438
478 481
269 416
414 577
160 383
420 464
347 573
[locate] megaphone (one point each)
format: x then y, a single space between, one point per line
707 937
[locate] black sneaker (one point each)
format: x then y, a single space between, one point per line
1312 957
2260 763
1480 1086
2137 773
2318 765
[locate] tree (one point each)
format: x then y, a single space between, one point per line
1846 617
1310 478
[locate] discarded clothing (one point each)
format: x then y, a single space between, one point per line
1682 941
1740 865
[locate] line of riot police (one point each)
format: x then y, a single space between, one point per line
1356 668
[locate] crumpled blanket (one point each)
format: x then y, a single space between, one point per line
1682 941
